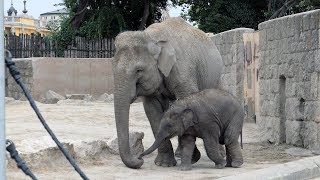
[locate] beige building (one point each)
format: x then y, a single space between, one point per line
53 17
22 23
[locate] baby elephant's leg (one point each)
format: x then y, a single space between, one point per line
234 154
187 147
211 144
231 139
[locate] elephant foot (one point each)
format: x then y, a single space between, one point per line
177 153
229 161
220 165
196 155
237 163
165 160
185 167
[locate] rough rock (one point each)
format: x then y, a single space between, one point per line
84 149
52 97
77 96
9 100
75 102
301 152
88 98
106 97
135 143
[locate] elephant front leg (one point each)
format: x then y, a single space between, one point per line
211 144
187 148
154 109
195 156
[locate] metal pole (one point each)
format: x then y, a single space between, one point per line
2 90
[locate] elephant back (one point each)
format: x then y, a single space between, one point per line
176 30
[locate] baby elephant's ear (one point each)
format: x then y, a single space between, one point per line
188 118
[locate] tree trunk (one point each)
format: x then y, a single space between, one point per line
146 12
81 12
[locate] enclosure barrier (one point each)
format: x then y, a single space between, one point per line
16 75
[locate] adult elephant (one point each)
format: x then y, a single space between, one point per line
167 61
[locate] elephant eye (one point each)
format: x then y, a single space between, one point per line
169 126
138 71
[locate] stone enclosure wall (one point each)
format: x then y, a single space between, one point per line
289 79
231 46
276 69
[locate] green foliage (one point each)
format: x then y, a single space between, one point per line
105 18
221 15
63 37
305 5
108 18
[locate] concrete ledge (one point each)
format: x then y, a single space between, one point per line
301 169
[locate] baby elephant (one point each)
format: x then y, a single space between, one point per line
213 115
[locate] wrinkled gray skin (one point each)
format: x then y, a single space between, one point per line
168 60
213 115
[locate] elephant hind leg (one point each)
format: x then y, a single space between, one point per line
231 136
211 144
234 155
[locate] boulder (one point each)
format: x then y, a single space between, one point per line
88 98
9 100
52 97
106 98
300 152
85 149
77 96
135 143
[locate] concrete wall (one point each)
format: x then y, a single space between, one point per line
26 71
289 79
231 47
64 76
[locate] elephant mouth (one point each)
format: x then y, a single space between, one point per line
143 90
134 99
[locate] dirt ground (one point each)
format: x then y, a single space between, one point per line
88 121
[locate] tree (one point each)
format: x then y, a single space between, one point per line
221 15
279 8
102 18
105 18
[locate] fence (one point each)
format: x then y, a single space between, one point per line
25 46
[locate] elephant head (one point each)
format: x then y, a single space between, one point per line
174 122
139 65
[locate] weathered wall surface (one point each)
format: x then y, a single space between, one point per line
26 72
231 47
64 76
289 79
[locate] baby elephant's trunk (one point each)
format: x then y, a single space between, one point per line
154 146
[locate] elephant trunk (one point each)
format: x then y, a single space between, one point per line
122 100
159 139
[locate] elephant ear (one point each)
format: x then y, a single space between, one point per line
166 57
189 118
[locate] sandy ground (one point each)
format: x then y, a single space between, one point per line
87 121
